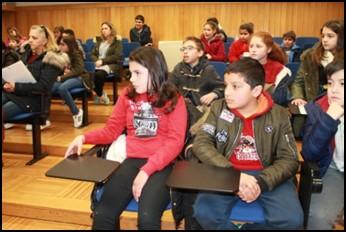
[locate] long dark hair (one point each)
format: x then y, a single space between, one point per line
162 93
336 26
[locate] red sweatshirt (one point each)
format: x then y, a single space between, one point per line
215 47
245 156
237 49
162 134
272 68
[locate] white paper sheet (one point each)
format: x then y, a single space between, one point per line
17 72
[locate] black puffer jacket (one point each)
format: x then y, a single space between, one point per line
45 70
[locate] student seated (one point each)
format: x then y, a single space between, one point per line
278 77
240 47
200 84
248 132
289 46
74 76
323 142
141 32
154 115
213 44
45 62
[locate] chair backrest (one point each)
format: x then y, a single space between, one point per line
227 46
171 51
89 66
89 44
309 41
129 47
293 67
124 40
230 39
277 40
220 67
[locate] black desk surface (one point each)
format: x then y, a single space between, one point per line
86 168
198 176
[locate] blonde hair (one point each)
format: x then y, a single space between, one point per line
51 45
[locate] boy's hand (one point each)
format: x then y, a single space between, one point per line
299 102
249 190
335 110
208 98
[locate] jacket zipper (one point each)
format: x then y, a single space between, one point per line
289 145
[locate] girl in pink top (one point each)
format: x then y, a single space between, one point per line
155 118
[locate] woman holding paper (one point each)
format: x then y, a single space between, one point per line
45 62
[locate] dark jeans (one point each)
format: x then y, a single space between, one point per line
281 207
99 80
9 108
118 193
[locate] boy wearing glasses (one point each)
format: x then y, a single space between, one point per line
200 85
195 77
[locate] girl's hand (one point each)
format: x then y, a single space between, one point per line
138 184
75 146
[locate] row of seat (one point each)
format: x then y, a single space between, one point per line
220 67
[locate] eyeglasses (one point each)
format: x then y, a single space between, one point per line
188 48
45 30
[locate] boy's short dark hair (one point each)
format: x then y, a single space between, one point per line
252 71
140 17
290 34
249 27
69 32
197 41
334 67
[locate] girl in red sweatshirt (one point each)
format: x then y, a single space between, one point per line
240 47
154 116
213 44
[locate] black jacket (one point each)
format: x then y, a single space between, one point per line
143 38
197 81
45 70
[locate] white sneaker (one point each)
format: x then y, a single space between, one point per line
104 99
78 119
28 127
8 125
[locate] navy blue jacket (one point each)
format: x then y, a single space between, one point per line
143 38
319 132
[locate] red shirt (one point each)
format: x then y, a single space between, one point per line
272 68
237 49
166 131
245 156
215 47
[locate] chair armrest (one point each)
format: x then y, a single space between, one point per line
100 150
310 182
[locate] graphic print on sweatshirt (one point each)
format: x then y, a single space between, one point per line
246 149
145 121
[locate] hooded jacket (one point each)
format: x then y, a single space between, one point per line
319 132
294 54
194 82
215 47
274 141
45 69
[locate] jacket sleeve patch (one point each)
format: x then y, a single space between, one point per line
208 128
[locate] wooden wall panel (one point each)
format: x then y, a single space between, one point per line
174 21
